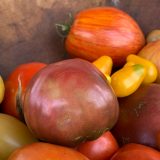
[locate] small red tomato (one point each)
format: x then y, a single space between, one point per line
100 149
134 151
24 72
46 151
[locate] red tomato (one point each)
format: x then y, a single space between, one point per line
104 31
100 149
63 102
25 72
46 151
134 151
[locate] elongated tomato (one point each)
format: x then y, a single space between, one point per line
104 31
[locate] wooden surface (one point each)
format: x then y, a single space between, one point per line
27 28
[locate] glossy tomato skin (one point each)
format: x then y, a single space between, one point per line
13 134
46 151
139 118
65 99
24 72
134 151
104 31
100 149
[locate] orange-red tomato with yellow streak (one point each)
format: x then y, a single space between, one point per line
24 72
104 31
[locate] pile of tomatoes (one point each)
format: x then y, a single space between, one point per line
17 142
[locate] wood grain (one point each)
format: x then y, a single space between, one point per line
28 33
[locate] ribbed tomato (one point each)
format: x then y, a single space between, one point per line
104 31
65 99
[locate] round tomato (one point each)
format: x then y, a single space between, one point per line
100 149
46 151
64 100
13 134
134 151
24 73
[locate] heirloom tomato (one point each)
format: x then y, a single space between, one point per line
13 134
100 149
2 89
65 99
135 151
21 74
104 31
46 151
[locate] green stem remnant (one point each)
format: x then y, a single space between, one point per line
63 29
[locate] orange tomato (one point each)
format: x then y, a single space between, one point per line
134 151
104 31
46 151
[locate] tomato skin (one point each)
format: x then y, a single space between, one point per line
128 79
2 89
66 114
100 149
134 151
25 72
13 134
104 31
46 151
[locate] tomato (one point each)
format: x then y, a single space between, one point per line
128 79
2 89
134 151
104 31
13 134
100 149
46 151
24 72
63 102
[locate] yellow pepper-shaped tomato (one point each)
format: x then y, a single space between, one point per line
129 64
2 88
151 70
128 79
104 64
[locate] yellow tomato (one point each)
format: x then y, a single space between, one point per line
2 89
127 80
151 70
104 64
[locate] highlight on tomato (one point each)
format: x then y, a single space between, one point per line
21 75
100 149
